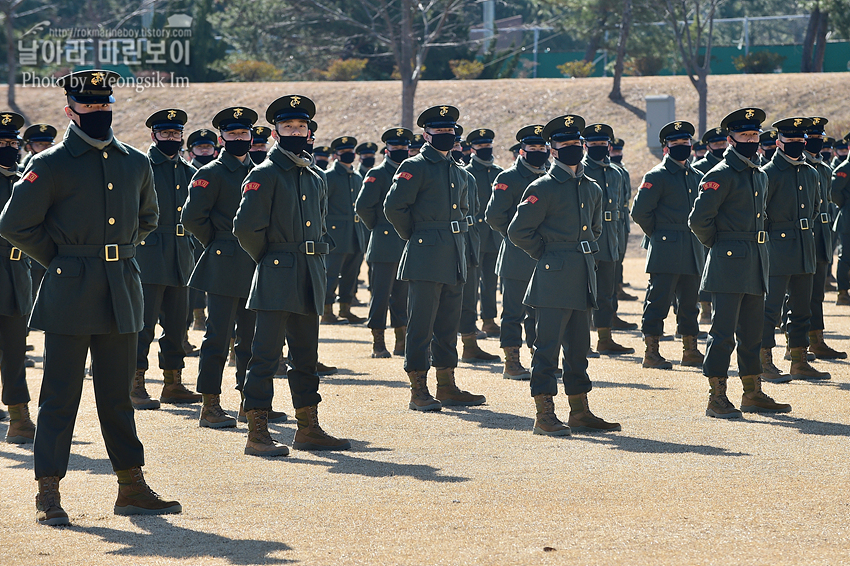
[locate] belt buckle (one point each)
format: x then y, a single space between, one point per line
761 236
455 227
111 248
470 221
356 219
179 230
608 216
824 218
804 224
310 247
585 247
15 254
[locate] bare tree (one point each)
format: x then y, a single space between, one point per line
9 10
625 25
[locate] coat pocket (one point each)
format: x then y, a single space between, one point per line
664 236
424 239
551 264
279 260
65 267
736 250
152 239
224 247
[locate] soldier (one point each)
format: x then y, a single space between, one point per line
597 166
322 156
202 147
513 265
166 261
91 298
700 150
716 143
415 145
16 294
385 247
841 197
466 149
841 149
343 263
427 205
514 149
37 138
674 258
767 146
558 223
259 143
366 154
484 170
827 153
729 218
224 270
616 157
280 222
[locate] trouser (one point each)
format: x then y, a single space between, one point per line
433 314
735 314
388 293
37 272
662 289
113 358
842 269
816 305
13 357
705 296
223 313
515 314
560 330
168 305
604 314
799 289
342 273
618 282
489 282
301 333
469 307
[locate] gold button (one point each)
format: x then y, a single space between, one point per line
729 252
582 205
307 223
547 266
143 242
801 187
584 227
386 232
105 155
111 221
482 220
420 240
757 193
276 262
179 208
58 270
303 197
454 206
218 252
686 172
453 185
802 206
332 227
177 187
758 214
663 237
609 200
109 186
783 234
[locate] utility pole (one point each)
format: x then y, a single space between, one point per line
489 22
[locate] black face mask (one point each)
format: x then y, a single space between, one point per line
679 152
258 156
96 124
457 155
747 149
826 155
368 162
814 145
322 164
617 158
204 159
536 158
718 153
169 147
237 148
597 152
769 153
571 154
794 149
485 153
9 157
347 158
398 155
443 142
293 144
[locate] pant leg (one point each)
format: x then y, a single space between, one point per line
687 297
383 276
398 304
604 315
349 272
750 317
175 307
551 324
13 357
800 311
513 312
842 269
302 335
618 280
816 306
530 326
659 296
333 264
246 321
214 348
269 335
37 272
721 337
575 342
112 375
487 290
152 295
423 298
446 323
778 285
469 303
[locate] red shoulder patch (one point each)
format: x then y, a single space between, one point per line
710 185
645 186
838 174
501 187
370 180
251 186
31 176
404 175
531 199
203 183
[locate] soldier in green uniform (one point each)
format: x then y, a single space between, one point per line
482 166
366 157
715 141
37 138
841 197
202 147
700 149
514 149
427 205
841 150
767 146
322 156
385 246
729 218
827 153
281 224
16 296
80 210
674 258
557 223
344 261
513 265
415 145
259 143
166 261
616 158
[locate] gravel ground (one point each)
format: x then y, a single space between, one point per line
466 486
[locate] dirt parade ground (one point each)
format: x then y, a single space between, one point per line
466 485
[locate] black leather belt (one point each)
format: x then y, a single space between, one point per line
109 252
759 237
309 247
177 229
454 226
584 246
802 224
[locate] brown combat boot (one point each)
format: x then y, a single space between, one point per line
212 415
843 298
472 353
618 323
819 348
719 405
173 390
260 442
21 428
652 358
756 401
490 327
199 319
398 349
136 498
769 371
48 503
310 436
691 356
322 369
606 345
379 345
328 316
139 395
547 423
622 295
420 397
705 312
513 367
345 312
582 420
800 368
448 393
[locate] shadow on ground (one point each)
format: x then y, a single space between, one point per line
647 446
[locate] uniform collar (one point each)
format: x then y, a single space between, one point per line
157 157
814 159
674 166
563 173
78 142
596 164
784 162
9 172
738 161
231 162
481 163
434 156
340 168
286 160
526 169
